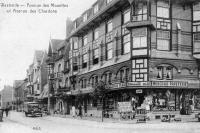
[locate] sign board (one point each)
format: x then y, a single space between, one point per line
124 107
169 84
139 91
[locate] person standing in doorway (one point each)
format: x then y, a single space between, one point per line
73 111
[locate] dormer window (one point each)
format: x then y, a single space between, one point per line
85 17
96 8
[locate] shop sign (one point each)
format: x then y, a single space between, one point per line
138 91
118 85
132 84
124 107
169 84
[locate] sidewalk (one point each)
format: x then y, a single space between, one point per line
184 119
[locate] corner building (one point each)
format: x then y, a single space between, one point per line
146 49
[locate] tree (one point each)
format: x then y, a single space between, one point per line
99 93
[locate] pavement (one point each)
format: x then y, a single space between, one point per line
18 123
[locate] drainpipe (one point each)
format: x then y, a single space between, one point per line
179 40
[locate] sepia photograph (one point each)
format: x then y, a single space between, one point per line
100 66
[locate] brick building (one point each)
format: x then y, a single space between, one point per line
143 50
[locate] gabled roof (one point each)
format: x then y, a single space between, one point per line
54 45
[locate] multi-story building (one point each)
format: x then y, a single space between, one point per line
6 97
142 49
147 51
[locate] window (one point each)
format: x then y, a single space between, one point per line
83 83
196 39
95 56
59 68
71 44
140 12
95 34
126 44
163 40
126 16
169 73
75 45
75 64
75 24
96 8
85 17
139 70
109 51
85 41
139 42
196 12
94 80
107 77
160 72
108 1
163 9
109 26
84 61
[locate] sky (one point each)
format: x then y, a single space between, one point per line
23 33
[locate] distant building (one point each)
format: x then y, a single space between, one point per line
6 96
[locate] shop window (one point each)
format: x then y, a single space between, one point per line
85 41
109 26
140 12
126 16
95 56
84 65
126 44
109 50
163 40
139 70
160 72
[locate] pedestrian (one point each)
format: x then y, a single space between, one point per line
80 110
73 111
6 110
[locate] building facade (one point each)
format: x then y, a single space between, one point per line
142 50
6 97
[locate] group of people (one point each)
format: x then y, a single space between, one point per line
2 110
74 113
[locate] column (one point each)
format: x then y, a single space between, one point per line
115 46
88 61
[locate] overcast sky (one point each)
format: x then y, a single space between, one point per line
22 33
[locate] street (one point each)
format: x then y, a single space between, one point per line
17 122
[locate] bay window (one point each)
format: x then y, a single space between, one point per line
139 41
163 9
196 43
140 12
196 28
